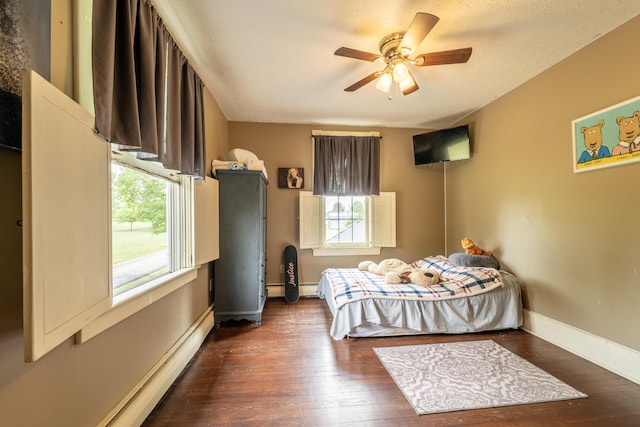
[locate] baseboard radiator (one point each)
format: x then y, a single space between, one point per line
134 408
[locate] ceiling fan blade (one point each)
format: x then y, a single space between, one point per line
421 25
356 54
357 85
412 88
456 56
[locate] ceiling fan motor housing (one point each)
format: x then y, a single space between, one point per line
389 46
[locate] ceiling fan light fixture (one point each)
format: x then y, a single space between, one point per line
384 82
406 83
395 49
400 72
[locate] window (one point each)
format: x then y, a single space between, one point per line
147 216
67 260
68 239
345 220
139 242
347 225
348 215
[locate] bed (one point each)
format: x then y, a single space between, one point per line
467 299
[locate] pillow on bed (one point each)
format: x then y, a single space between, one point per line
467 260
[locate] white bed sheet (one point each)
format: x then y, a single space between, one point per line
497 309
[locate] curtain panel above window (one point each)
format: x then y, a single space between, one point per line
147 97
346 165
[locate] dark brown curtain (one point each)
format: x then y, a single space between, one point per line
171 157
184 116
137 70
346 165
199 153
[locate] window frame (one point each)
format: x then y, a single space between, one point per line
179 217
347 245
382 226
206 249
182 269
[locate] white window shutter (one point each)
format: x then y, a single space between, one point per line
383 220
206 217
310 214
66 218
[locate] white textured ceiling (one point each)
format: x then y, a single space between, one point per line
273 61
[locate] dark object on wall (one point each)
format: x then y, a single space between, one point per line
25 28
291 178
291 288
240 273
442 145
10 120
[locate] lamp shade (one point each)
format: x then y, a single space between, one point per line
407 82
384 82
400 72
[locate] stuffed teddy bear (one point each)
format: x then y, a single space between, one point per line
386 265
398 271
416 276
471 247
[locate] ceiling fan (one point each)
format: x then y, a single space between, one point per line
395 52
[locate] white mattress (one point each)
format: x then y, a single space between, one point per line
497 309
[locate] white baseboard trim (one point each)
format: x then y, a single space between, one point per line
306 289
621 360
140 401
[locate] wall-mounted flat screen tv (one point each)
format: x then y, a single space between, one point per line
442 145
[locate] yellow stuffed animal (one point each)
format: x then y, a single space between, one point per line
472 249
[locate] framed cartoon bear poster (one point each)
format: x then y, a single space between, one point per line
292 178
609 137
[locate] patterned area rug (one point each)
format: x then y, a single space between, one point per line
468 375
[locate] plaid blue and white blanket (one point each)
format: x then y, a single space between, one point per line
351 284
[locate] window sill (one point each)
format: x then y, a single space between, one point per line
135 300
345 251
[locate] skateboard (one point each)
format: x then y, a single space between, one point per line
291 289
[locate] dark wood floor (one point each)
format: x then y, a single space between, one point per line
290 372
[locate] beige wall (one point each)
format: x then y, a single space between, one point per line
419 194
77 385
216 130
571 238
533 213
